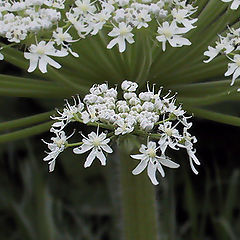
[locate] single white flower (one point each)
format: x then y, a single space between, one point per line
56 147
39 56
224 45
172 34
234 68
188 141
121 33
98 144
169 136
148 158
124 126
68 114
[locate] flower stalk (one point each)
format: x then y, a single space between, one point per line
138 202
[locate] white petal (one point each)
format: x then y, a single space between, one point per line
112 43
168 163
231 68
138 156
33 64
52 62
160 169
42 65
235 4
192 166
101 157
106 148
51 165
235 75
90 158
122 45
47 158
82 149
140 167
151 170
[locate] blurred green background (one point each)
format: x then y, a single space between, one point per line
74 203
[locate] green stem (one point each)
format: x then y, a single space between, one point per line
138 202
73 144
27 132
215 116
26 121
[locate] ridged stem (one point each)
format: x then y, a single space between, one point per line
138 202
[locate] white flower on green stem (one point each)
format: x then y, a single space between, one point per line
148 158
121 34
234 68
188 142
169 136
96 143
39 56
172 34
68 114
181 16
224 45
56 147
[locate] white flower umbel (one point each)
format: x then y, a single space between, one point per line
149 158
235 3
97 144
39 56
57 21
146 115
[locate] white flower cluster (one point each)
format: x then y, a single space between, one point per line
235 3
230 47
54 22
146 115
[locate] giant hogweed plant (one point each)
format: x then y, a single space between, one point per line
66 48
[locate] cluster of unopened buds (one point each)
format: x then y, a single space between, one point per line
55 22
156 120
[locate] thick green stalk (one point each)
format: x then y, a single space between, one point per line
24 133
138 202
26 121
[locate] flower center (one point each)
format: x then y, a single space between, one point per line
238 62
169 132
167 33
96 142
123 31
151 152
60 142
40 50
84 7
